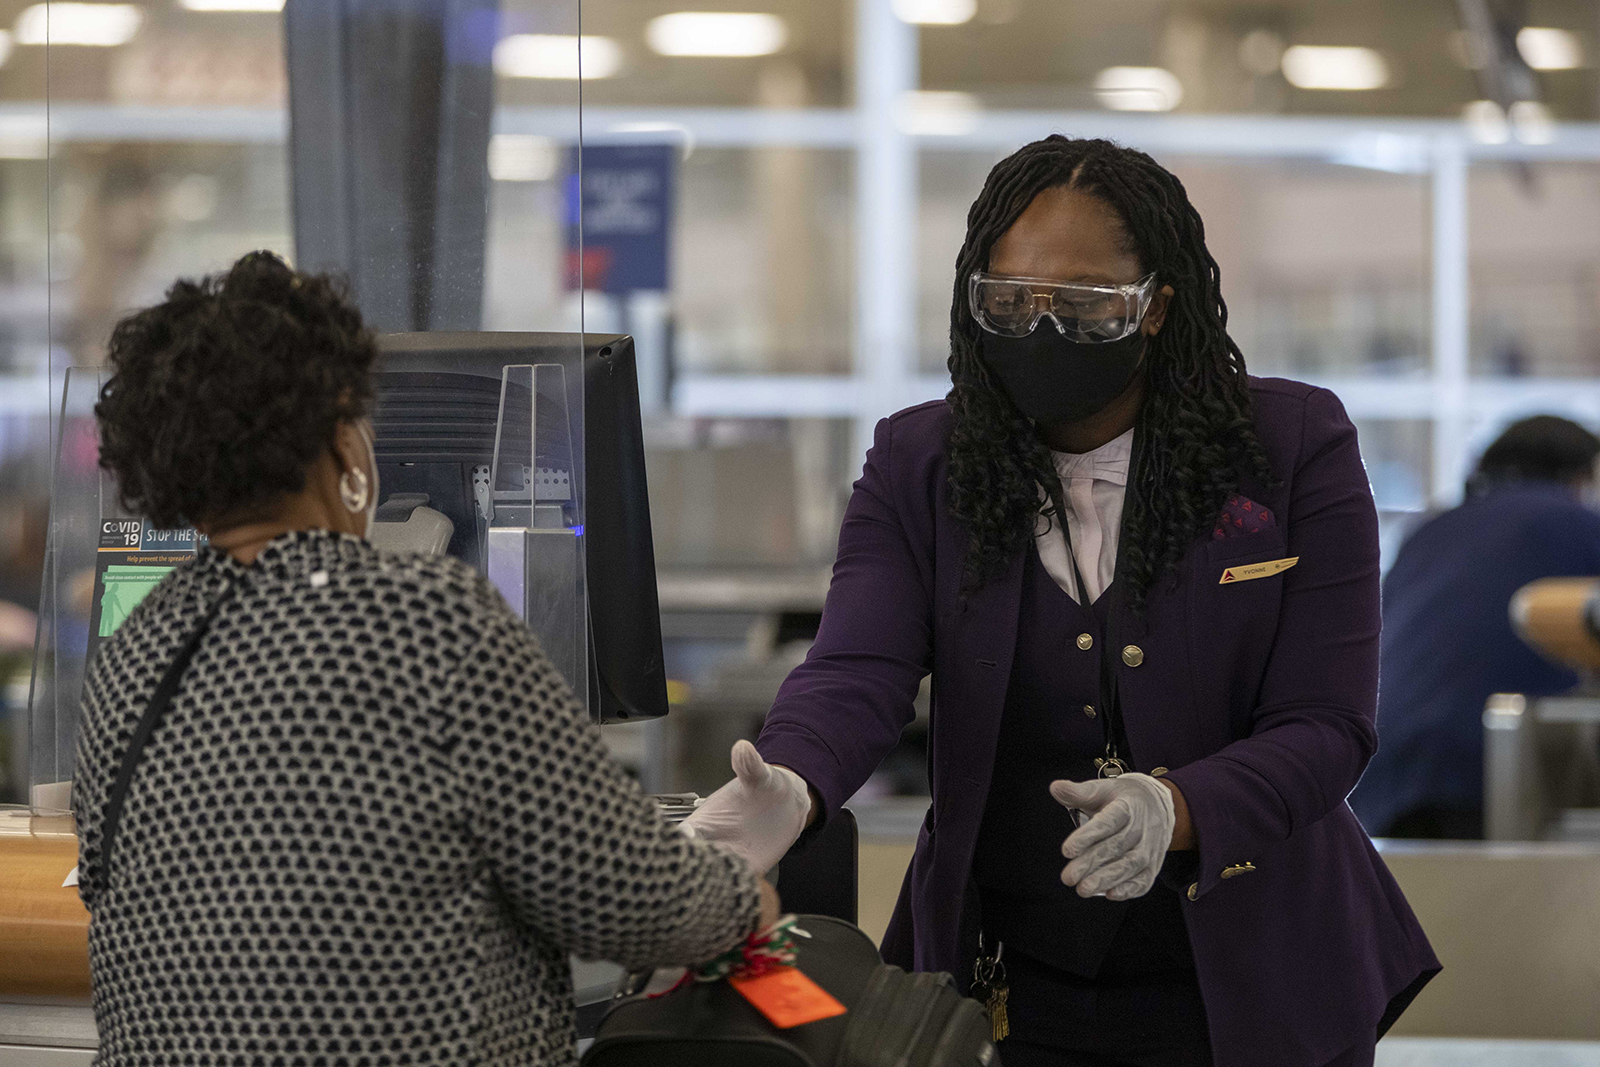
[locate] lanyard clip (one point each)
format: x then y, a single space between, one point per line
1110 767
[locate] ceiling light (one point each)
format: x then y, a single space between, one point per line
1319 67
1486 121
717 33
1531 122
1544 48
551 55
938 114
269 6
102 25
1138 89
935 12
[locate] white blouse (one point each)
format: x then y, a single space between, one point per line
1094 484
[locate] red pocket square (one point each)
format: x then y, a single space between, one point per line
1241 516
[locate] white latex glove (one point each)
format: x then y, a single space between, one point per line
758 815
1119 851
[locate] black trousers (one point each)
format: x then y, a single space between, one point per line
1116 1020
1022 1054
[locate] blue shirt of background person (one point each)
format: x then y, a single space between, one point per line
1447 638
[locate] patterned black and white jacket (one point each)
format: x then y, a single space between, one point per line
371 828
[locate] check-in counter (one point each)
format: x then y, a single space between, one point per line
45 1018
1516 925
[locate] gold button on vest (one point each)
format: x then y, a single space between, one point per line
1085 641
1133 655
1088 709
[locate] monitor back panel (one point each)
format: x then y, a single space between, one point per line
438 403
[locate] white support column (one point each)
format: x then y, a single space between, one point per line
886 211
1451 320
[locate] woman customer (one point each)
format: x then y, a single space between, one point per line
1146 586
373 821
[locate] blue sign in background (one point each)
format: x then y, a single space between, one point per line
627 217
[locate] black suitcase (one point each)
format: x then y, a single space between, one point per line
916 1020
894 1019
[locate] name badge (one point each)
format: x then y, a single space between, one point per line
1257 570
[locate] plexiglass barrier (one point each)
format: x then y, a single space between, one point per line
355 138
478 429
99 563
535 555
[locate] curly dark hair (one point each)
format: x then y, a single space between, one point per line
221 396
1196 432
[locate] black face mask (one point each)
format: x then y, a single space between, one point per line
1053 379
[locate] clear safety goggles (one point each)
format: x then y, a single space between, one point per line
1012 307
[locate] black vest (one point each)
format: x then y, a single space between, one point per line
1045 734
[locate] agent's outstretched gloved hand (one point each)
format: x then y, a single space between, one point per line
759 814
1119 851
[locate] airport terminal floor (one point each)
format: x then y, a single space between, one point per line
833 533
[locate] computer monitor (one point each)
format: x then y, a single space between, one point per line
445 401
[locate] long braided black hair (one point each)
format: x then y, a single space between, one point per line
1196 434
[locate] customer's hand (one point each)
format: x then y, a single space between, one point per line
1120 850
759 814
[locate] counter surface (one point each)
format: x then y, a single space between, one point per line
44 929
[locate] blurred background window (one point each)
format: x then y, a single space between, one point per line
1404 199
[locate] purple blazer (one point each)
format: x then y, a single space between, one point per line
1259 695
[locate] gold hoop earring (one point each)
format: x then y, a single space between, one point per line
353 490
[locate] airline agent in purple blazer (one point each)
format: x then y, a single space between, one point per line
1146 586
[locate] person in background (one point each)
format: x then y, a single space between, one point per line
1447 637
374 821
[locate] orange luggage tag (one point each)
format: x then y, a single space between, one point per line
787 997
764 971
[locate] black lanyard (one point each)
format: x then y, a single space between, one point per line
1113 762
1117 759
160 701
